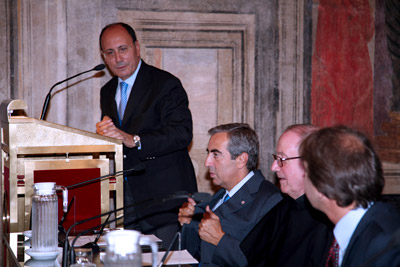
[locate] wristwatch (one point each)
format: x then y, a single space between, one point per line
136 140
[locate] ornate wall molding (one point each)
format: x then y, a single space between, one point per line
42 60
291 60
213 55
187 30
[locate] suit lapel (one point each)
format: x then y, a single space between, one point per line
111 95
216 198
242 197
137 93
365 220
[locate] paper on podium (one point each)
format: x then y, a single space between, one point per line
82 240
175 257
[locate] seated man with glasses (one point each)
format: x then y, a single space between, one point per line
306 238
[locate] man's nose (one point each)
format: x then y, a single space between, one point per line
275 167
118 56
208 161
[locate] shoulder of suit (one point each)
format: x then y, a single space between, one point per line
258 183
112 83
385 215
268 187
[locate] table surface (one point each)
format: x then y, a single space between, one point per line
19 244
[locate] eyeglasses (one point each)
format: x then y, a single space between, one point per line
122 50
280 160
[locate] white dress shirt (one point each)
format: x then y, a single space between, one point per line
345 228
130 81
234 189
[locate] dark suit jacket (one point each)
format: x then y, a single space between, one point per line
263 243
157 111
372 235
237 216
389 255
309 237
293 233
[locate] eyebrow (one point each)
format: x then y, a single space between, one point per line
281 154
121 46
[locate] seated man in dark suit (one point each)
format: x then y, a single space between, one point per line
214 237
304 237
344 179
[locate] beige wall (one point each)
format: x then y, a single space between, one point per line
245 61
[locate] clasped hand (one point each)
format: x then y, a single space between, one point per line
186 212
107 128
210 229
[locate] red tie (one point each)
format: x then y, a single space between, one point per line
333 255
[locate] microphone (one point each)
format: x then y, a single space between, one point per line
47 100
138 167
144 204
199 197
93 245
178 234
61 229
66 213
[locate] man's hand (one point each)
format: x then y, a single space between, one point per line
107 128
210 229
186 212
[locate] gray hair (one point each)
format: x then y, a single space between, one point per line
242 139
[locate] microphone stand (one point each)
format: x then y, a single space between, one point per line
137 167
61 229
48 96
146 203
178 234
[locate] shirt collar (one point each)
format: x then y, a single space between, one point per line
345 228
131 80
240 184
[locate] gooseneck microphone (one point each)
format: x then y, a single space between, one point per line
137 167
47 100
68 254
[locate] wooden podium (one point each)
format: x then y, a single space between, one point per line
39 151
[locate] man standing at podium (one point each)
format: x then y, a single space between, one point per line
146 108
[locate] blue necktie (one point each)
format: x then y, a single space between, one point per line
124 99
226 198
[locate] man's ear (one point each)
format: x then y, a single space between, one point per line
137 46
241 160
321 196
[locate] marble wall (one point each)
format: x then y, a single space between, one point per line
249 61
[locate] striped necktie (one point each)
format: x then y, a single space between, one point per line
333 255
124 99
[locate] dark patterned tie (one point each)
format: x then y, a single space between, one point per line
333 256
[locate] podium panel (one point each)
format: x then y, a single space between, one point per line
39 151
88 200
